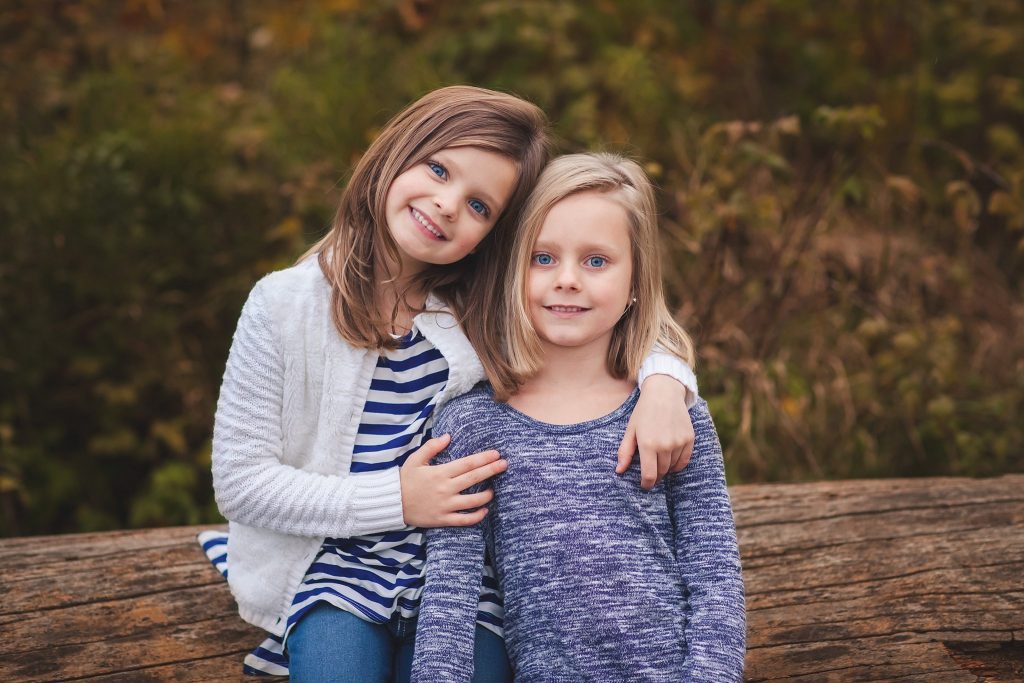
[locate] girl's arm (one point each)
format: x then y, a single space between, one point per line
661 362
446 628
660 425
708 556
254 487
251 484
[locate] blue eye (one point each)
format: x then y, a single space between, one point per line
437 169
596 261
543 259
479 207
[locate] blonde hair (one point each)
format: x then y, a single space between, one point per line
360 244
647 320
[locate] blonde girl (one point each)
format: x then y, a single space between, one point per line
322 435
602 582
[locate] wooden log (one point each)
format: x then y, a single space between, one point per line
883 580
909 580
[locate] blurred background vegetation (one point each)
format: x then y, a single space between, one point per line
842 187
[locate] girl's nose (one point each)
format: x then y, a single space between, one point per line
568 279
446 205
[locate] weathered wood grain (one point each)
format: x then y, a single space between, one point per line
881 580
889 580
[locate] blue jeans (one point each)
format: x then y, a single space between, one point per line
330 644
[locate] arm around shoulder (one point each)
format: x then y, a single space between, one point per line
251 483
708 555
661 362
659 427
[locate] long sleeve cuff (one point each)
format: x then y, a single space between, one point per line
659 363
377 503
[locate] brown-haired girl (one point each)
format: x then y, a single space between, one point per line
322 433
601 581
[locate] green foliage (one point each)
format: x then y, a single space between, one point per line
842 188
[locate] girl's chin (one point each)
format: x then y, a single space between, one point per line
570 341
416 257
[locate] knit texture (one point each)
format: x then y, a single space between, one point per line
663 363
602 580
289 409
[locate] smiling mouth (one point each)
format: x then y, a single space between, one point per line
566 310
427 224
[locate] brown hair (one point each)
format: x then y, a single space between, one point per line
359 243
647 321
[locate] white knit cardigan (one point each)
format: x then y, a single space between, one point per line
286 422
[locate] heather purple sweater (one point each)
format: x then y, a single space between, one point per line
602 580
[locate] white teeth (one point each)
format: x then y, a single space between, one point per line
421 219
566 309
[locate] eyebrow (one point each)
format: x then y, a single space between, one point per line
488 199
541 245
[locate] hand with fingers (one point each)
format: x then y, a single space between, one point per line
432 495
660 427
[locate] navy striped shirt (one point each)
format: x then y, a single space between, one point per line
379 575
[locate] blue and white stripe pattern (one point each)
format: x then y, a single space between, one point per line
374 576
268 659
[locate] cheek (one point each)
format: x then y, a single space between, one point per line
535 290
474 238
470 238
398 192
617 292
536 285
534 301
